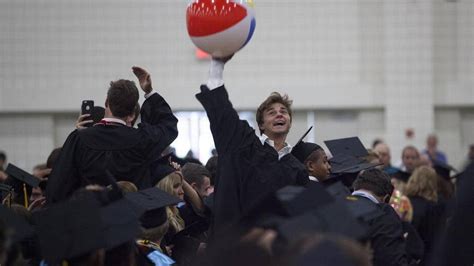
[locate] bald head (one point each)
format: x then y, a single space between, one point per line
383 151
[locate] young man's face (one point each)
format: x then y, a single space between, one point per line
319 168
276 120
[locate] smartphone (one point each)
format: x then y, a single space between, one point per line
87 106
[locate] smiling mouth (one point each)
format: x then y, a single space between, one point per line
279 124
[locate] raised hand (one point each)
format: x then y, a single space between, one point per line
143 78
80 122
223 59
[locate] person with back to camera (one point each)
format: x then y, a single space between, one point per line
112 145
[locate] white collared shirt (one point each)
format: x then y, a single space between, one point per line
365 194
312 178
284 151
114 120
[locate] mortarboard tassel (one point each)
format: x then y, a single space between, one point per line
25 195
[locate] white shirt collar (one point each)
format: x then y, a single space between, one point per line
365 194
284 151
312 178
114 120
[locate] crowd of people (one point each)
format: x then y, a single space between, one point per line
114 194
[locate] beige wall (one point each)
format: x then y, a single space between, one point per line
359 67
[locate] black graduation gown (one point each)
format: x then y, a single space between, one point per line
457 247
427 221
247 170
125 151
386 237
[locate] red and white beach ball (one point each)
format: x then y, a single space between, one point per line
220 27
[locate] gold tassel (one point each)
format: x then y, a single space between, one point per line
25 195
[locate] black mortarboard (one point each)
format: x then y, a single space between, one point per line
337 189
333 218
120 222
69 229
443 169
348 146
346 163
401 175
302 150
152 201
160 169
97 114
21 175
289 201
21 182
20 227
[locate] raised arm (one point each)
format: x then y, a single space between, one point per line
228 131
157 119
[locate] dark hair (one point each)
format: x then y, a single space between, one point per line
53 157
376 142
211 166
275 97
3 156
375 181
195 173
122 97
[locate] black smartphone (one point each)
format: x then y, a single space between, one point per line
87 106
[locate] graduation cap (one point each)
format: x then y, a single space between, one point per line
443 169
97 114
401 175
152 202
74 228
289 201
333 218
21 181
69 229
338 190
160 169
120 222
350 146
17 224
303 150
346 163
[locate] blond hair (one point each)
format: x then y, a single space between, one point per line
167 184
423 183
154 234
127 186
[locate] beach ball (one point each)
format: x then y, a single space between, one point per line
220 27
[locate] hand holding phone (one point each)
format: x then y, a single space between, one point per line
85 119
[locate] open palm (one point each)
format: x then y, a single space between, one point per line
143 78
